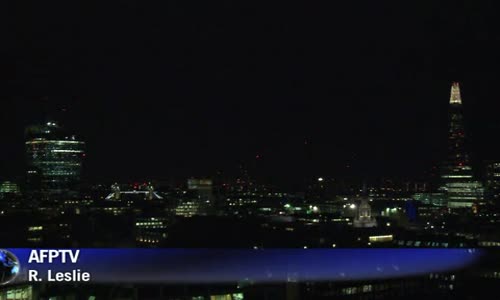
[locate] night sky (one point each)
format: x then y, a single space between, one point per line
183 88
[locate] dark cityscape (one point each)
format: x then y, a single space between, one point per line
224 126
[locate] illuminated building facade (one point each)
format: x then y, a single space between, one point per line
150 231
493 180
435 199
203 187
457 177
187 208
18 292
9 187
54 160
364 215
201 191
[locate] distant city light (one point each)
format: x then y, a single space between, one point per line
352 206
320 179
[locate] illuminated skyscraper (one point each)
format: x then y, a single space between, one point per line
493 181
457 176
54 160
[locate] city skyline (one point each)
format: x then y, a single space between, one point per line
348 162
237 81
240 151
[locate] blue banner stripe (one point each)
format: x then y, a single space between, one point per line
263 265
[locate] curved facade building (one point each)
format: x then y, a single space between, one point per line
54 160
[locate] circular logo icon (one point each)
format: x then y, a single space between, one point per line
9 266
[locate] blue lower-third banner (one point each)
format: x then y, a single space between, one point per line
202 266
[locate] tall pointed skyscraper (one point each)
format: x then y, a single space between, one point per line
457 176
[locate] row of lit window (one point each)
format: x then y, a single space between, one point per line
489 244
148 241
149 223
494 275
426 244
35 228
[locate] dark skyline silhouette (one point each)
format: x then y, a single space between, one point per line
174 89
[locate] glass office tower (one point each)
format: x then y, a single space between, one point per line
54 160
